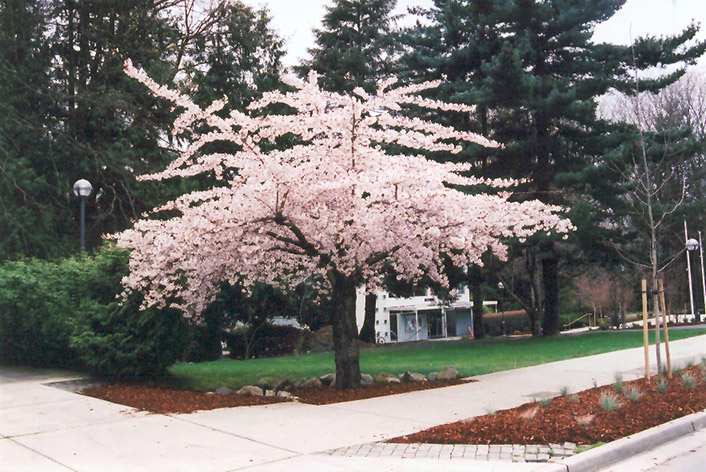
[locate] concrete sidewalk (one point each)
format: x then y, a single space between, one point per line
45 428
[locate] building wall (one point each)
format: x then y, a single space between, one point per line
386 304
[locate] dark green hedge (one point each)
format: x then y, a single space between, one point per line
65 314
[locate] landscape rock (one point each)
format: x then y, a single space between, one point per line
386 379
269 393
266 383
283 385
223 391
252 390
285 394
447 373
412 377
328 379
366 379
313 382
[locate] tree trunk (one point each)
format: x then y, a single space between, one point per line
475 278
345 332
550 282
367 332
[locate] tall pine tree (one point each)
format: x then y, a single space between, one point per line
356 45
535 74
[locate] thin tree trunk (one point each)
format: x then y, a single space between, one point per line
367 332
345 332
550 281
475 278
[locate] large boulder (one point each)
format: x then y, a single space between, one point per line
251 390
447 373
384 378
322 339
412 377
366 379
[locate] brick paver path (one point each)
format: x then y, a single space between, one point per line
481 452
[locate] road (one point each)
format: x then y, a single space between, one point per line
687 454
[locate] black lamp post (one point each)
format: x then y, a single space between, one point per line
83 190
501 286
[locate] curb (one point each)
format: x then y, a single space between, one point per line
623 448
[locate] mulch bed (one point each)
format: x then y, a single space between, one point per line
169 400
575 418
160 399
328 395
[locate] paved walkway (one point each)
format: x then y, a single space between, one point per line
685 454
481 452
43 428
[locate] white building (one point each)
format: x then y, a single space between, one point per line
419 317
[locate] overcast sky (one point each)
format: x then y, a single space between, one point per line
295 19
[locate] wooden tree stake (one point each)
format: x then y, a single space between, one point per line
665 321
645 330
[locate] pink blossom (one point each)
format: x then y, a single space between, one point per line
340 199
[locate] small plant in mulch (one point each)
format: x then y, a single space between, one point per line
545 402
662 385
618 384
633 394
564 391
608 402
688 380
490 411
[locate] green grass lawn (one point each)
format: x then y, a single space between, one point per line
470 358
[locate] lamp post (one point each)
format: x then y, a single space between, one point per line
501 287
83 190
691 245
703 279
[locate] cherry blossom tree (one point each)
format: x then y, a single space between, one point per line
348 201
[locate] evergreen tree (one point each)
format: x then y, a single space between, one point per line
535 74
356 45
240 58
29 207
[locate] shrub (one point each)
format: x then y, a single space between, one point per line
662 385
564 391
41 303
608 402
545 402
688 380
121 341
266 340
65 314
633 394
618 385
